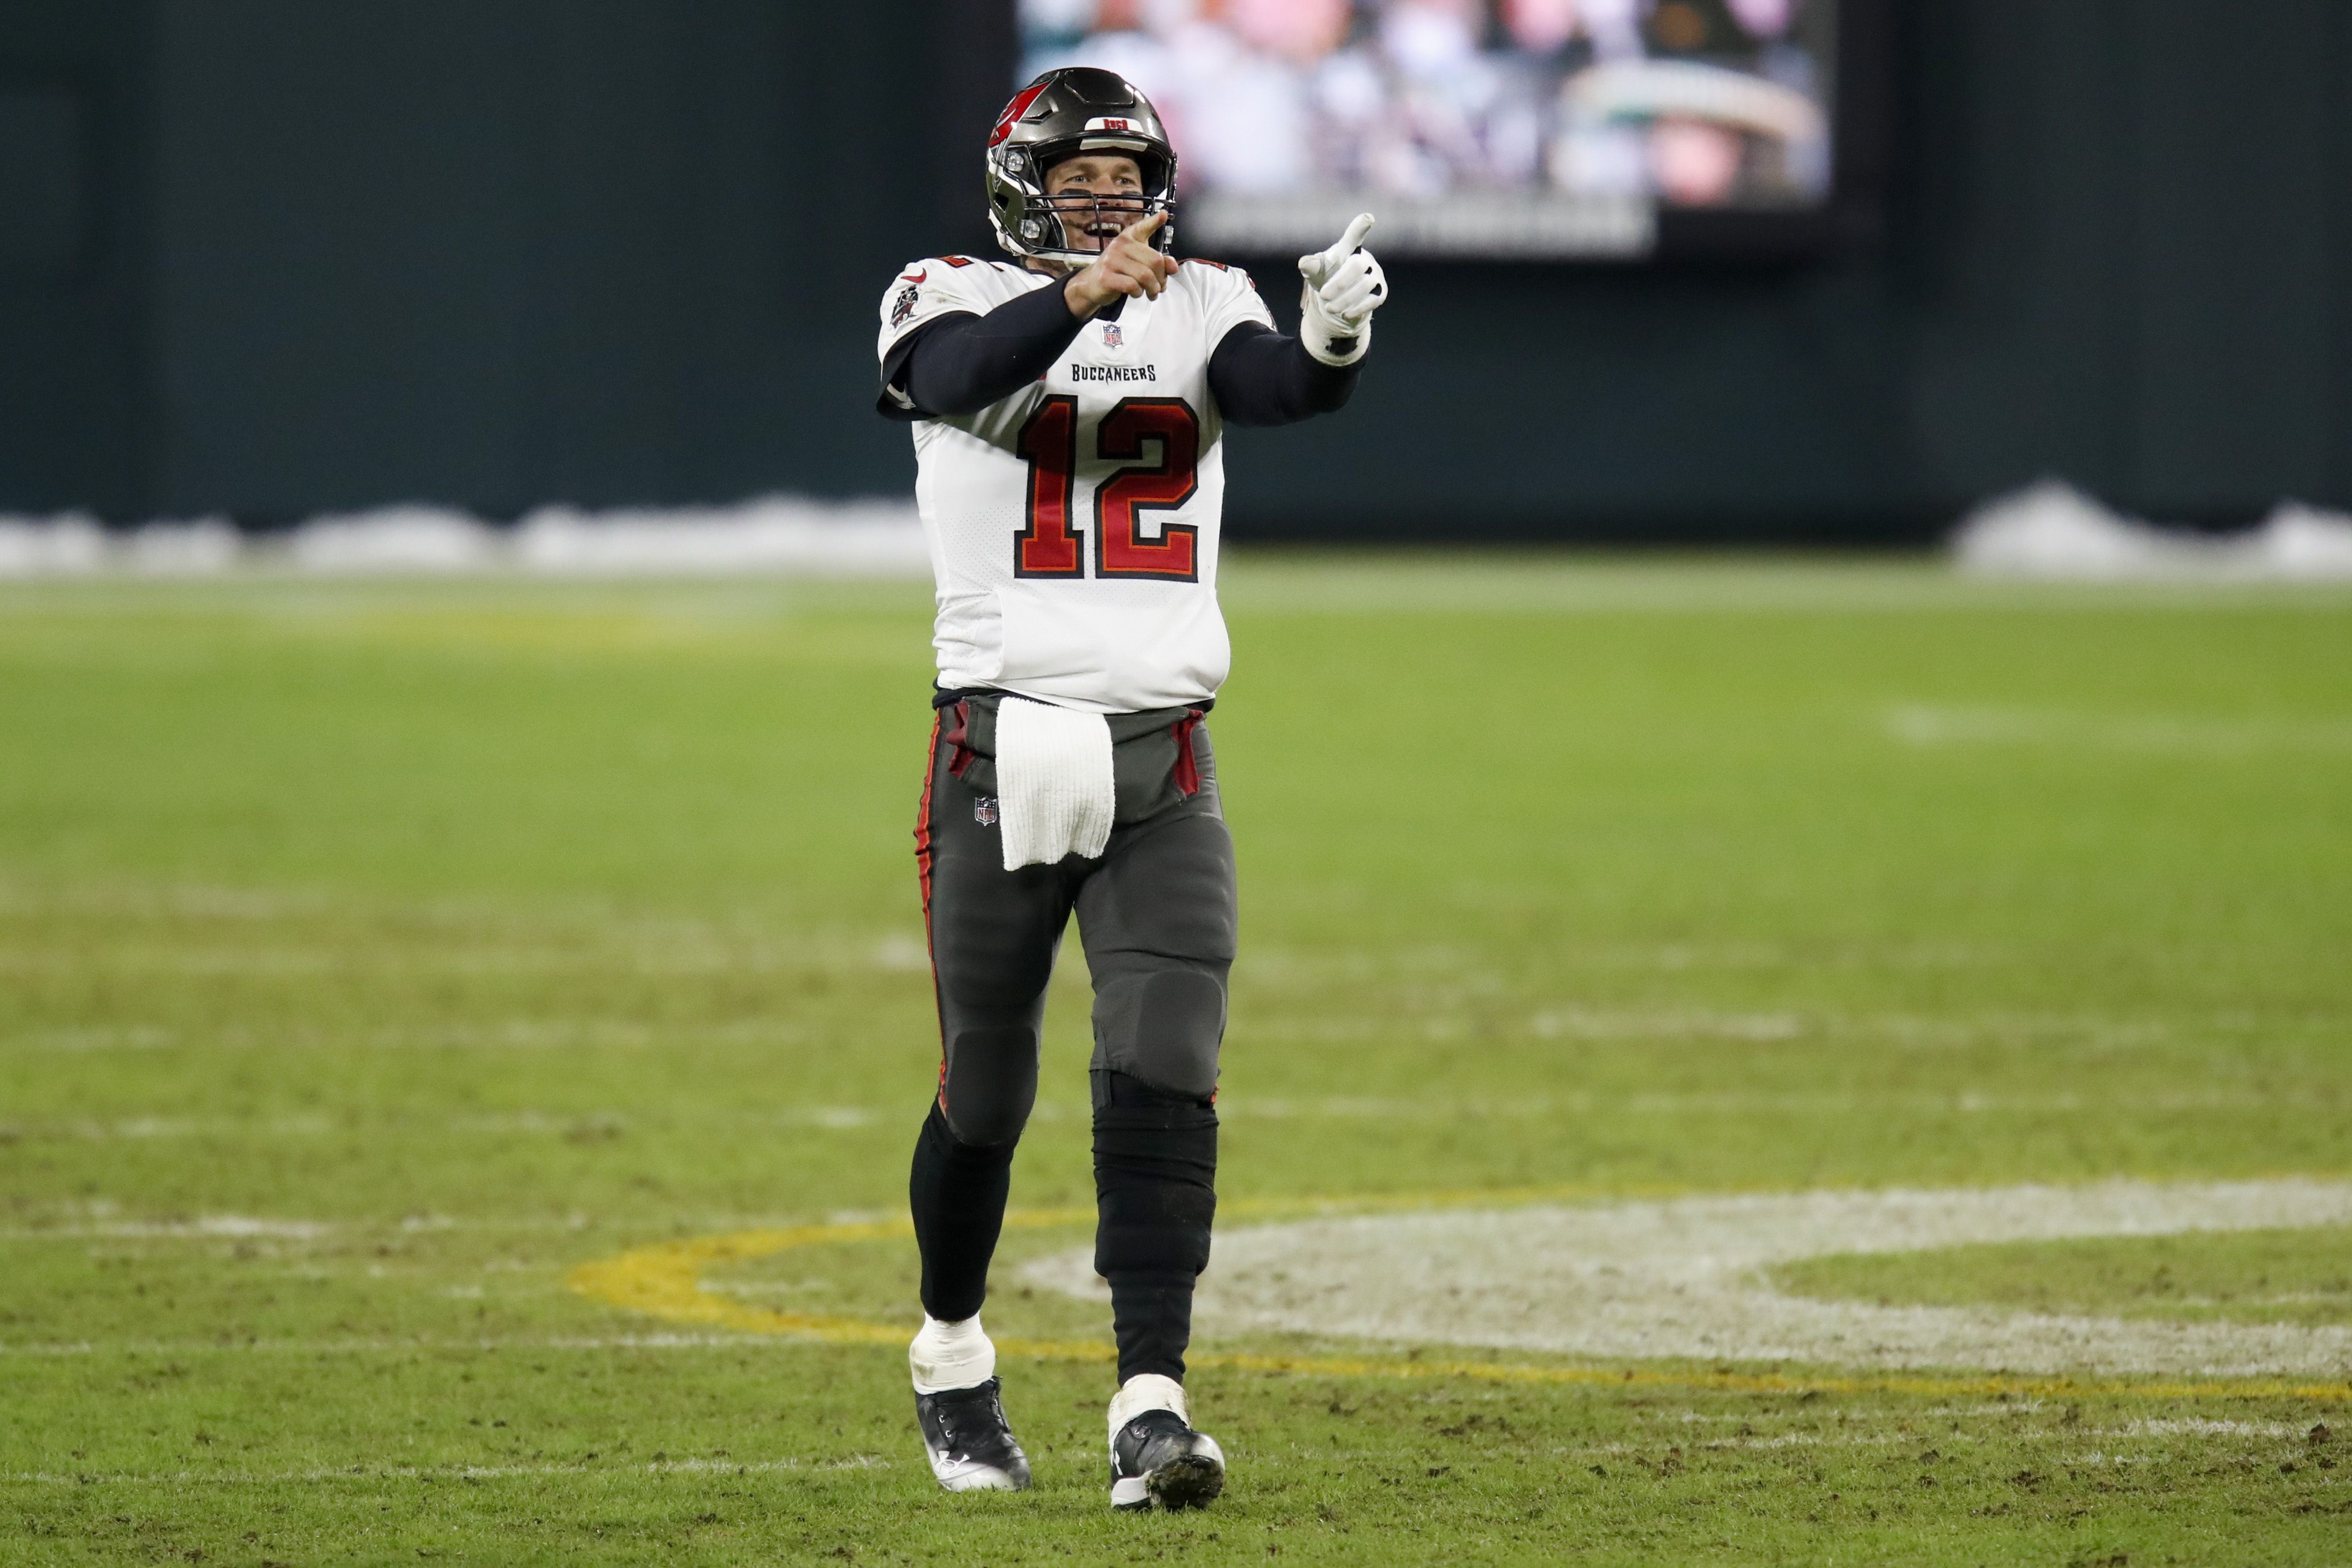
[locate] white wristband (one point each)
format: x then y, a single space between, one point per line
1333 342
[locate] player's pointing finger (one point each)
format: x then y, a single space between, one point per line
1157 267
1317 268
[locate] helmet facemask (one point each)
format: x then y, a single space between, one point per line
1051 227
1066 114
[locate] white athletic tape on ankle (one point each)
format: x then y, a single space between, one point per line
1147 1391
951 1356
1053 781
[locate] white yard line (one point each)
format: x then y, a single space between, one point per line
532 1122
443 1473
208 1227
1686 1278
2194 1428
523 1123
379 1346
2160 734
1540 1107
101 1220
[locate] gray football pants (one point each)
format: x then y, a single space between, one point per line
1157 917
1156 913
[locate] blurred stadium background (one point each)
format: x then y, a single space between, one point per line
463 662
266 259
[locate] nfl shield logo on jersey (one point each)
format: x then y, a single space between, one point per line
983 811
1110 334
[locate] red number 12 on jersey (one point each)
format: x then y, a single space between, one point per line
1048 546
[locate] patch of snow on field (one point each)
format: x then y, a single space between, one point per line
2055 530
1686 1278
192 549
65 545
772 535
395 539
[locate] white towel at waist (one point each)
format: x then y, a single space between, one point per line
1053 781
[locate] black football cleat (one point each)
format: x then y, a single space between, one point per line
1157 1460
971 1444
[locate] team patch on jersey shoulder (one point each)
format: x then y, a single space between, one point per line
904 305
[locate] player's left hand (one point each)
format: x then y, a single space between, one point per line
1344 285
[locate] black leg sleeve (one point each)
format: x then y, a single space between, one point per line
956 1192
1155 1200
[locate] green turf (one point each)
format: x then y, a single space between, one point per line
373 954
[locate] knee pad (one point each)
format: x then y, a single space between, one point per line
1160 922
1162 1027
991 1084
1155 1180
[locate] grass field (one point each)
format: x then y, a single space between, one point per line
397 979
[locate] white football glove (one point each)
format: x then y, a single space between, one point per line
1344 287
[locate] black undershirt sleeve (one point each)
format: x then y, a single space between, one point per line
960 363
1260 377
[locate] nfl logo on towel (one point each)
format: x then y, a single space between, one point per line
983 811
1110 334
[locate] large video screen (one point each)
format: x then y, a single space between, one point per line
1471 128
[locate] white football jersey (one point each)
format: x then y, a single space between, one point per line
1073 524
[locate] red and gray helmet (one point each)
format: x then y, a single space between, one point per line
1061 115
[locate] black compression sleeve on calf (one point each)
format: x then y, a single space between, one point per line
957 1194
961 364
1155 1200
1260 377
1153 1321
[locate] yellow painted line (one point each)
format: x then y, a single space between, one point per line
665 1280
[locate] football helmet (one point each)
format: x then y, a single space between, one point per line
1061 115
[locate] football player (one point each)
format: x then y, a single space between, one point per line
1070 410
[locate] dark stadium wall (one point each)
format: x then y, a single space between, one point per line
503 253
270 257
75 376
